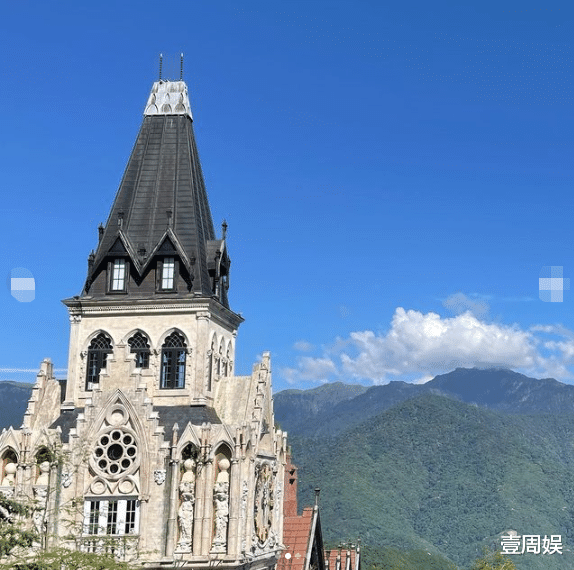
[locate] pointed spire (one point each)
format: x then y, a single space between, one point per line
160 64
161 208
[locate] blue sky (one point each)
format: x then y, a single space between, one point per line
395 175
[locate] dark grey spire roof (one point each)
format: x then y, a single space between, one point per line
161 205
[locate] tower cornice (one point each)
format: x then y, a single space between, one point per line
201 307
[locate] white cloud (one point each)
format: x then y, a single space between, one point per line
27 370
419 346
459 303
311 370
303 346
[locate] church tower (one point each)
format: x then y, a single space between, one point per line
153 448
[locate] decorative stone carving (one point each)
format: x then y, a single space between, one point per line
185 512
244 494
39 514
66 479
221 504
159 476
264 502
44 476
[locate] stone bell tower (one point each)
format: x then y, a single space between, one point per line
153 448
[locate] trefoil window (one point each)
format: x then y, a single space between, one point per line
173 354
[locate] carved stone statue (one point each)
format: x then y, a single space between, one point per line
44 476
185 512
9 475
39 515
221 506
264 503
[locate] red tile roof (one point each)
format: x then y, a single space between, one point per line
296 537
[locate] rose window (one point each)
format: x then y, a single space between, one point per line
116 453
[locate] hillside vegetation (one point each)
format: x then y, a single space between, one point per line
438 475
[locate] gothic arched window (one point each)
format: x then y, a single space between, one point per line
139 346
173 353
98 352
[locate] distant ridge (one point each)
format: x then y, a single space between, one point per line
14 398
497 389
332 408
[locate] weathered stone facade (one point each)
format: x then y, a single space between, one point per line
153 448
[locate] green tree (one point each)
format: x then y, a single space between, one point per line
16 543
63 559
12 535
493 561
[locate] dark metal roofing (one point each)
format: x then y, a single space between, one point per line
197 415
66 422
162 195
168 417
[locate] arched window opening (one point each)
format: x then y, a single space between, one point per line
44 454
139 346
190 451
173 353
98 352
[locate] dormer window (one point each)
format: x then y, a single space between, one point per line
168 274
118 275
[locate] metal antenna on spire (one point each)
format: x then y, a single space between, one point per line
181 68
160 64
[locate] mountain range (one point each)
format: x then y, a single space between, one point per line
444 467
332 408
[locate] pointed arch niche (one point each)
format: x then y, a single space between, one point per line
9 468
43 459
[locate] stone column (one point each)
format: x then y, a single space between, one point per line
171 533
199 507
207 522
249 522
234 506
